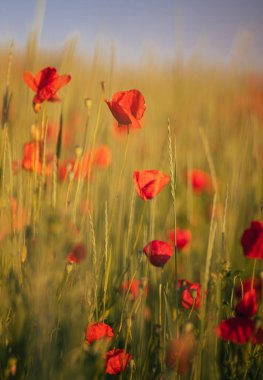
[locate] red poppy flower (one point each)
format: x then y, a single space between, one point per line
80 166
247 307
33 157
127 107
191 295
252 241
199 181
149 183
183 238
258 336
237 330
46 83
11 221
102 157
257 286
19 218
77 254
97 331
116 361
158 252
134 286
178 353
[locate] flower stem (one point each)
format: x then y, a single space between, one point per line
253 274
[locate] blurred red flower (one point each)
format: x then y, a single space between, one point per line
77 254
97 331
191 295
199 181
252 241
241 328
127 107
183 238
33 157
134 286
46 83
149 183
102 157
257 286
179 352
237 330
80 166
116 361
247 307
158 252
258 336
53 131
14 221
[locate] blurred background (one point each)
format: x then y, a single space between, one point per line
218 32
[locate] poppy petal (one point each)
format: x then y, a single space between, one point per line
237 330
29 80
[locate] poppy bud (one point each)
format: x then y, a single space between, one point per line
193 293
78 151
36 107
88 103
188 327
71 176
69 267
35 132
157 330
102 85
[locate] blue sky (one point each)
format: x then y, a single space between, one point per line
215 29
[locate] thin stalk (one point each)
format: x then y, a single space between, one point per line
120 178
253 274
172 162
139 227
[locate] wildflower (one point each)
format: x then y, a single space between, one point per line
241 328
33 157
46 83
149 183
116 361
127 107
179 353
134 286
252 241
236 329
199 181
247 307
257 286
158 252
80 166
183 238
102 157
97 331
191 295
77 254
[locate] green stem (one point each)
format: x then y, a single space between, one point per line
253 274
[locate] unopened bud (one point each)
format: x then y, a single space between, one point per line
78 151
188 327
194 293
37 107
157 330
35 133
88 103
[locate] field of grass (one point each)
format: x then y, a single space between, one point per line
72 238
